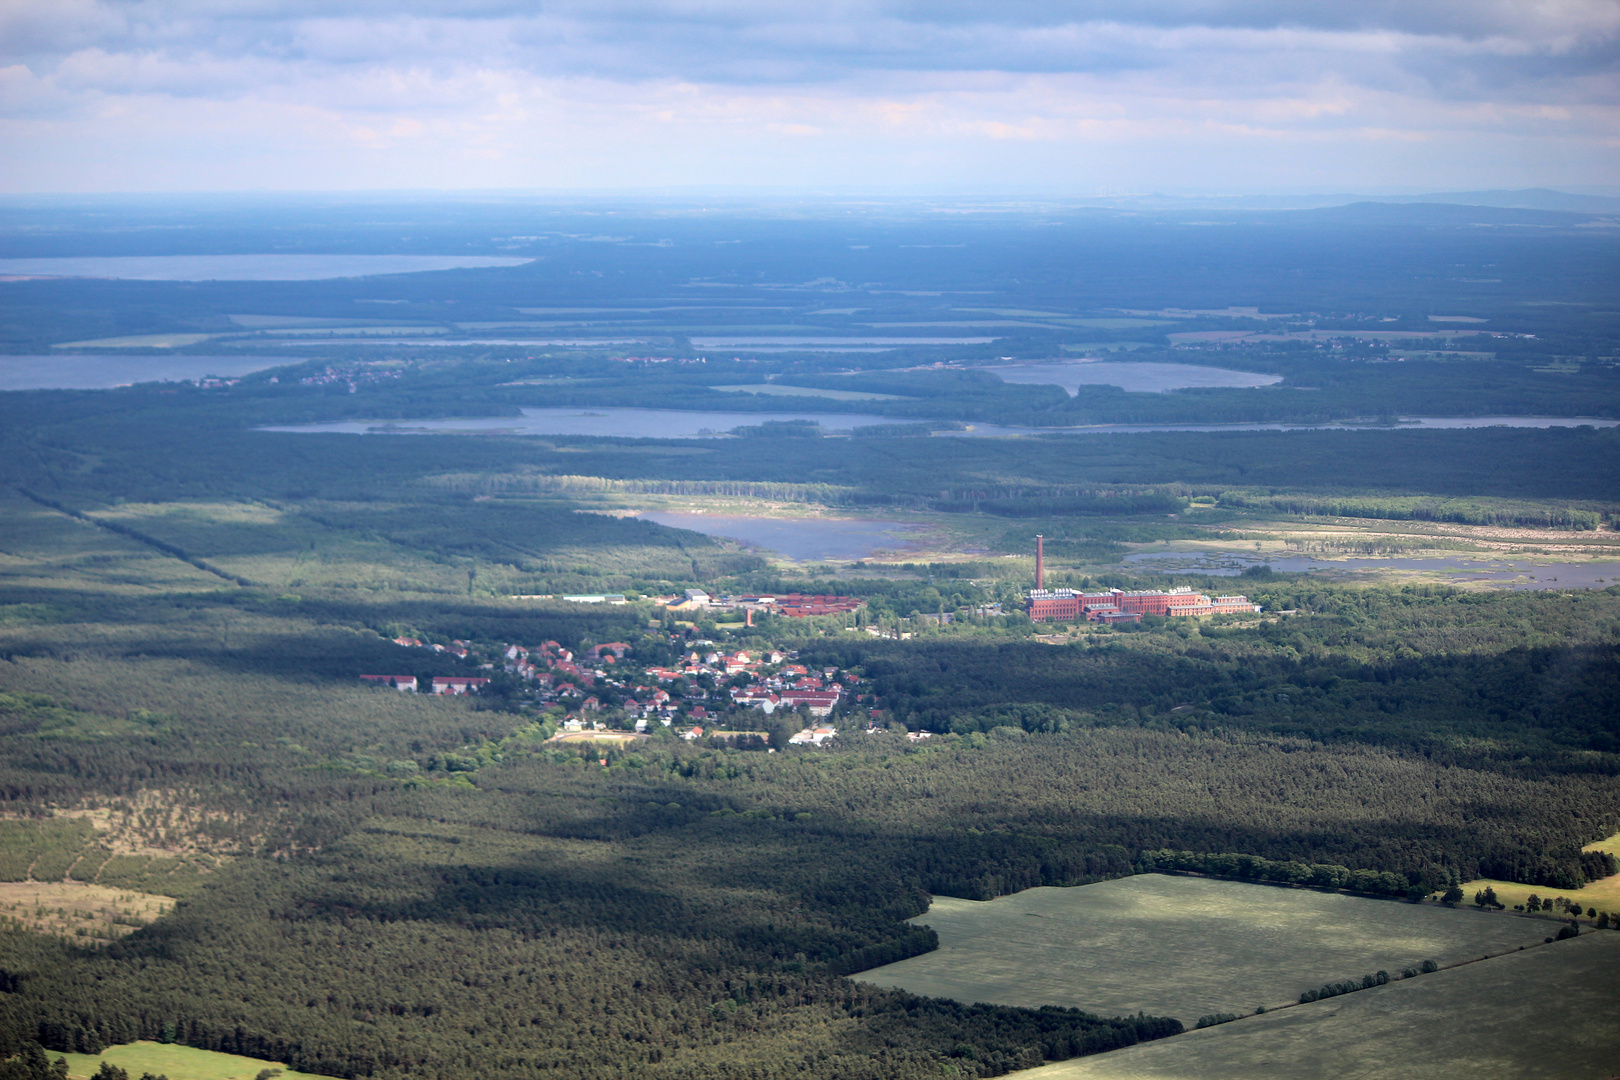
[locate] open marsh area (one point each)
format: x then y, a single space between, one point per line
1182 946
1544 1013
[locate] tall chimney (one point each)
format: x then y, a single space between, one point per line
1040 562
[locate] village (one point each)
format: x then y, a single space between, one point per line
602 694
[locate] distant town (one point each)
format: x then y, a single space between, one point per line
603 690
604 694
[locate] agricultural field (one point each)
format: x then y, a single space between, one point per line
1546 1012
1183 946
179 1063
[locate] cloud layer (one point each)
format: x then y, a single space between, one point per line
1062 97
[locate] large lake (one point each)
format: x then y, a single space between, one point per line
624 423
872 341
1505 573
1137 378
74 371
244 267
690 424
801 539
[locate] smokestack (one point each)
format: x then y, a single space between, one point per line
1040 562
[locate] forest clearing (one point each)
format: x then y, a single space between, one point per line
1601 895
77 910
179 1063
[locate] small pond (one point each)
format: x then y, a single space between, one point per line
800 539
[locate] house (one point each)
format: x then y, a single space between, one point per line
819 702
590 704
408 642
457 685
403 683
690 733
813 735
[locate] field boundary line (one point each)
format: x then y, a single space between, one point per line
134 534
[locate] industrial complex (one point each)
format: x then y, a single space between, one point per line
1117 605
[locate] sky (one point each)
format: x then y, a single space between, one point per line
1058 97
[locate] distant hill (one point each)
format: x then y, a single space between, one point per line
1438 212
1526 199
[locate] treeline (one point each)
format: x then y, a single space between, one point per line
1061 506
1245 867
1410 508
1345 986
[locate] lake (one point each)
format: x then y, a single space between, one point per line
801 342
245 267
800 539
76 371
452 342
728 344
692 424
624 423
1137 378
1505 573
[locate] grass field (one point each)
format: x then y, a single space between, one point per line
1546 1012
177 1063
1183 946
1603 895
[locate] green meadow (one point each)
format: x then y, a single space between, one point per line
179 1063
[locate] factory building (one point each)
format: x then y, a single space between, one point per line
1117 605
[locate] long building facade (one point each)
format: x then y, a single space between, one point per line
1117 605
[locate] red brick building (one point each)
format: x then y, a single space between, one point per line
1117 605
